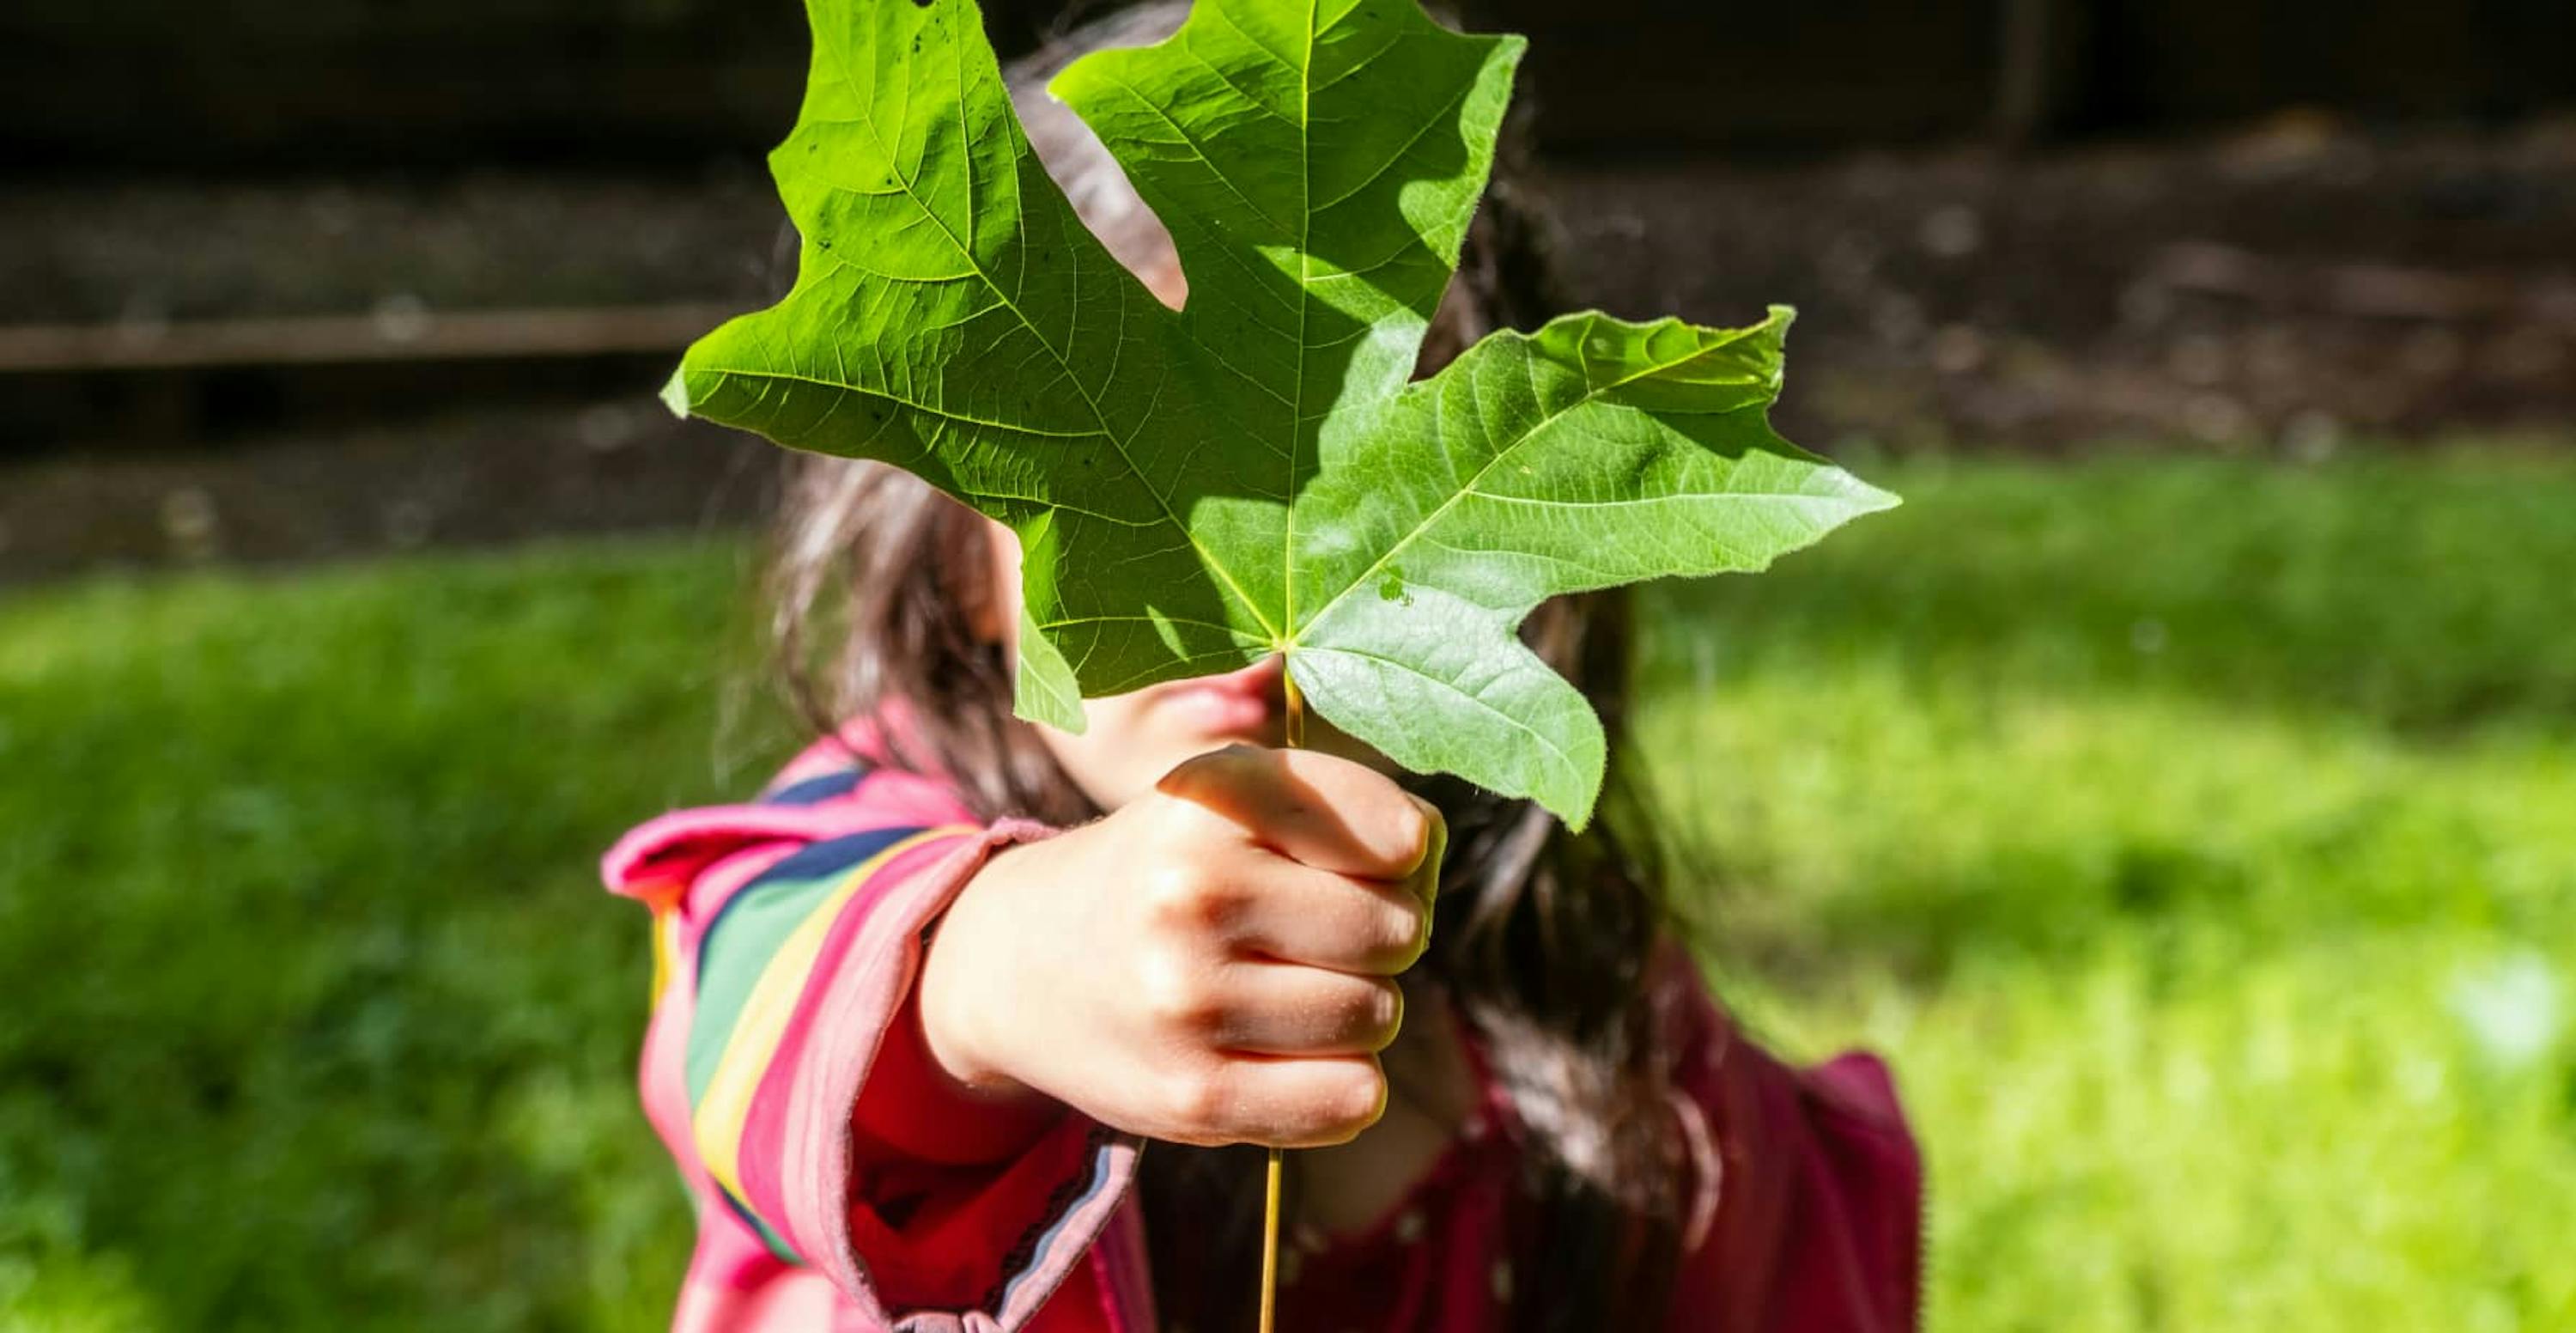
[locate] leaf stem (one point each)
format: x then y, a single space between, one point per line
1293 732
1270 1242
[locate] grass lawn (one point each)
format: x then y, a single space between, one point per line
2198 838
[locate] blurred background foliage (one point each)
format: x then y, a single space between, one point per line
2181 789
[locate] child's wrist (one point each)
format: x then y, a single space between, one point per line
955 996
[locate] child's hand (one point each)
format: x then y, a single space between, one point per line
1210 964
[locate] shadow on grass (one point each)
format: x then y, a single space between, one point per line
2424 595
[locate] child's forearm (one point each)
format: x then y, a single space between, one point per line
965 992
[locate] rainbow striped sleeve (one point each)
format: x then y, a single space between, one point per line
763 963
788 934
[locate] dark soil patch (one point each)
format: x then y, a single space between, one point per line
2282 289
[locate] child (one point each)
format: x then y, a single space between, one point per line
923 1002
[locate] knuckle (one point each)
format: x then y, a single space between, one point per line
1184 896
1196 1016
1172 821
1176 997
1168 884
1226 769
1197 1101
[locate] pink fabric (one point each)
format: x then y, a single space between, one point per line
914 1209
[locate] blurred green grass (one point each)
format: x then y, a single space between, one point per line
2198 837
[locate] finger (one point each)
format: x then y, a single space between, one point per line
1316 809
1424 882
1282 1009
1290 1102
1295 914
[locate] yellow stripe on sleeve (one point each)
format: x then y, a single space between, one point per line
726 1104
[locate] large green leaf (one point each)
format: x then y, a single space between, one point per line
1253 474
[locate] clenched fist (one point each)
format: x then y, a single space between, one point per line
1214 963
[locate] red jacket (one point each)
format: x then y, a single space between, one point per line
839 1188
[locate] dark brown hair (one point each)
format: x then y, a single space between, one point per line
1545 938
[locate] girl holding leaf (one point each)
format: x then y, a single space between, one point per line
923 1003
